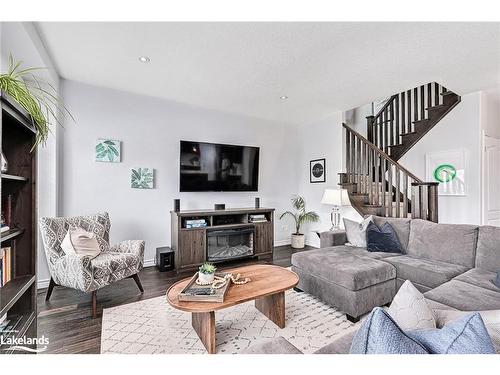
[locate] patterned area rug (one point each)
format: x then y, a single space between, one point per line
153 326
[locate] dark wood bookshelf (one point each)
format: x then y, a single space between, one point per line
18 204
11 234
14 178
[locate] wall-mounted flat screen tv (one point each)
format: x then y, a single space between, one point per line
218 167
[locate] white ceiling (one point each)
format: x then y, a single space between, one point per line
245 67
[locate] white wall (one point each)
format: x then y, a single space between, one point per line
150 130
22 41
460 129
321 139
490 111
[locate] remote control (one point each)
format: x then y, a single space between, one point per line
201 292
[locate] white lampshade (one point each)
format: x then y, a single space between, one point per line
336 197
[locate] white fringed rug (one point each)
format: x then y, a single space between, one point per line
153 326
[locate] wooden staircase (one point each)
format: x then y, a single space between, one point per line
376 182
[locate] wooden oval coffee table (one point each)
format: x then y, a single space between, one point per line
267 288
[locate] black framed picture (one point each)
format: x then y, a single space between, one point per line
317 170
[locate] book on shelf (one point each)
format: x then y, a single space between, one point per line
257 218
4 228
196 225
5 265
10 324
196 221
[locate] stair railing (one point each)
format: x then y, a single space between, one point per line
400 113
386 184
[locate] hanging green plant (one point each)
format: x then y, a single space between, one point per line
37 97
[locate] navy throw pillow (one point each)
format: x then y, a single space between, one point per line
382 239
467 335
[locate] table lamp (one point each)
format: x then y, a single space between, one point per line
337 198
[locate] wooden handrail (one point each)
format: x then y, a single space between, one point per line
381 153
384 107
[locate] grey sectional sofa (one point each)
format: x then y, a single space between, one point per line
453 265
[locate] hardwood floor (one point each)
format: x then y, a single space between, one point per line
66 319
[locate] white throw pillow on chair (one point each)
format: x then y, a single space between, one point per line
80 242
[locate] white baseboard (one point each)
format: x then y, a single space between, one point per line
42 283
282 243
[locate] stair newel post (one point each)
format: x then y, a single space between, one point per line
433 201
398 192
415 201
390 198
369 128
424 201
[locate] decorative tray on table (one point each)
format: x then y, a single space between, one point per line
189 293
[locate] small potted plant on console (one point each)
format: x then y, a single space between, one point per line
206 273
300 217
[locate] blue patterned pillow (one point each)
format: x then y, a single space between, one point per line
382 239
379 334
467 335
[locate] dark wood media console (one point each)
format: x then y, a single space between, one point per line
224 231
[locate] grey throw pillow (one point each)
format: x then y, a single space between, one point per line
356 232
410 310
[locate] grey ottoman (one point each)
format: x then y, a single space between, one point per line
353 283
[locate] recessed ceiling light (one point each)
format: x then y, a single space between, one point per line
283 97
144 59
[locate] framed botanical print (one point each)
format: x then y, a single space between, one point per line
317 170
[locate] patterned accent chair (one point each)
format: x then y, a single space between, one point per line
114 263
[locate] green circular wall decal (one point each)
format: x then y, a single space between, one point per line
445 173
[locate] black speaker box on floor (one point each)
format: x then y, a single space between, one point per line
165 259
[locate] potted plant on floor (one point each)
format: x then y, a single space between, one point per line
300 217
206 273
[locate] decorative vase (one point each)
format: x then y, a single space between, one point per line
206 278
298 241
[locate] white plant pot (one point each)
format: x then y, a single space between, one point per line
298 241
206 278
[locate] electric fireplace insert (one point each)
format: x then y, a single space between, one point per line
228 244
